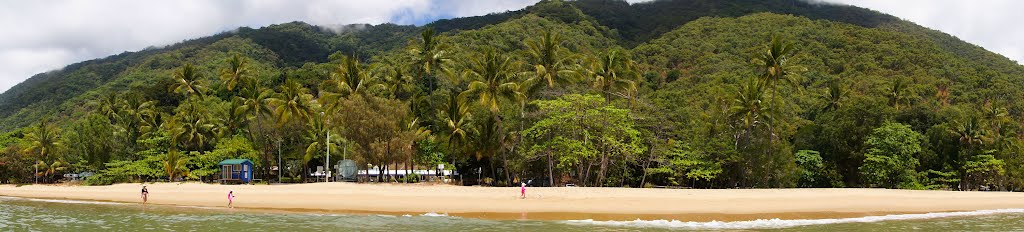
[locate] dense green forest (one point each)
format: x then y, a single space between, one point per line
702 94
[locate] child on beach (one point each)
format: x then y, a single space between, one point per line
523 192
145 194
231 198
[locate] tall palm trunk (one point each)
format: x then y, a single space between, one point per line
551 175
508 178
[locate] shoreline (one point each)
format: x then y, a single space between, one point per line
559 203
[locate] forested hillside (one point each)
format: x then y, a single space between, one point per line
704 94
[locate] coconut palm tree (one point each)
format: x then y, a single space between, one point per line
487 140
189 81
431 55
349 77
775 66
256 100
236 71
43 139
749 110
231 116
317 142
47 171
552 63
493 79
110 106
191 128
971 135
897 92
457 118
294 101
834 96
399 84
612 72
174 165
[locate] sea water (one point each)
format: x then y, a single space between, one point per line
21 214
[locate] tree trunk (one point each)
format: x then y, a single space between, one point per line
622 182
586 174
551 175
647 163
604 165
494 172
508 178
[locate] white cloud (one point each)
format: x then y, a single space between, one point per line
45 35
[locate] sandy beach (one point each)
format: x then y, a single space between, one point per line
541 203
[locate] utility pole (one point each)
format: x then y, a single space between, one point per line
327 143
328 178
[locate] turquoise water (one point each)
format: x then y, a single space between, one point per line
18 214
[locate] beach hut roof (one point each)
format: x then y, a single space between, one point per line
233 161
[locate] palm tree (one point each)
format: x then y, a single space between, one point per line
493 80
775 66
429 56
316 138
189 81
174 165
410 137
897 92
236 71
492 76
488 139
457 118
43 139
611 73
834 96
110 106
231 116
191 128
294 100
256 99
748 109
349 77
134 117
970 134
399 84
550 60
996 117
48 170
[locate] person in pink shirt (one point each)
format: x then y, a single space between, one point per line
522 191
231 198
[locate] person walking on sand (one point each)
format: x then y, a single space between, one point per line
231 198
145 195
522 191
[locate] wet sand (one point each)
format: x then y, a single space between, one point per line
541 203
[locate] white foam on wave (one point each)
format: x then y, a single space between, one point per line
432 214
74 201
780 223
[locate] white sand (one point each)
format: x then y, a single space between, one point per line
557 203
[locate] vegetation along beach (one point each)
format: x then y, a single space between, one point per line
552 115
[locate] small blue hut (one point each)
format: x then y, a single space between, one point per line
235 170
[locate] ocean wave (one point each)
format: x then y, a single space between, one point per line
780 223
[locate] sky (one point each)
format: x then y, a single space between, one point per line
44 35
